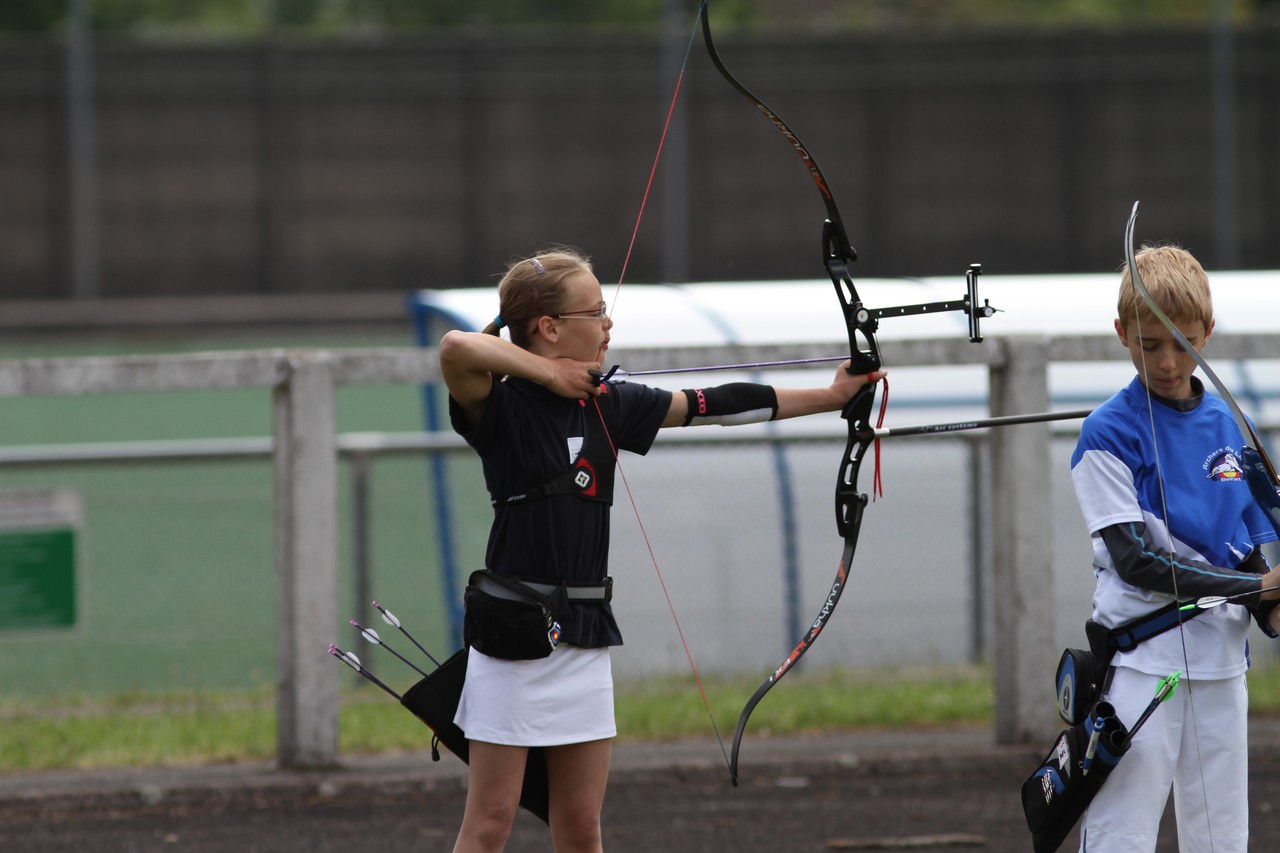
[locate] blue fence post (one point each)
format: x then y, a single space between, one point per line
423 314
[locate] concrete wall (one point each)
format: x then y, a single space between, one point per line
278 167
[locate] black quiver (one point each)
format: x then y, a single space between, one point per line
1058 792
434 701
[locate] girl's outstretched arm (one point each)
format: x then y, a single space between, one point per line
745 402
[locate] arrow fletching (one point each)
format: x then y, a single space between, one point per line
387 615
390 619
372 636
1205 602
1163 691
350 659
346 657
1168 685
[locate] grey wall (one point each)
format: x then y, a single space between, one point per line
281 167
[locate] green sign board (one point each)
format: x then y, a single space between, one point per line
37 579
38 558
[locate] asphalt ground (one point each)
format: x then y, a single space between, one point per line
921 790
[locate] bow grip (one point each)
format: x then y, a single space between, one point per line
850 502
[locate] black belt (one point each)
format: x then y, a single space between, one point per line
579 592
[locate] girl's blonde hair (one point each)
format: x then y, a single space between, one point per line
1176 282
533 287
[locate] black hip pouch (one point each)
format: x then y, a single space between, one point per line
506 619
1082 673
1079 681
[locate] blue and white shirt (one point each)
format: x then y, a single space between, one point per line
1178 473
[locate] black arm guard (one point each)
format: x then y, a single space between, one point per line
728 405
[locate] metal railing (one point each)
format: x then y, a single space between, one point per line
305 449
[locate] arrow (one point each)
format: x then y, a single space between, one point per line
350 659
1207 602
1163 691
616 375
1099 723
390 619
372 636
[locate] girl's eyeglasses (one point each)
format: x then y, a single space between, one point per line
589 314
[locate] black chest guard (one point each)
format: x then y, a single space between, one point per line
591 474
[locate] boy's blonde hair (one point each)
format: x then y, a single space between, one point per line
1176 282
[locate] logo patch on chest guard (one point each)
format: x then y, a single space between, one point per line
1225 466
585 478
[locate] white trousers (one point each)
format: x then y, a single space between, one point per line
1195 745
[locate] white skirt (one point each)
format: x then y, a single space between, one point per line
564 698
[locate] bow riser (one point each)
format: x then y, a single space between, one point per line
864 349
850 502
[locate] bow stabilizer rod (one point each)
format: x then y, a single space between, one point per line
981 423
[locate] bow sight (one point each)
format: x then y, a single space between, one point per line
867 319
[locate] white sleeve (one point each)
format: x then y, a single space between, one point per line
1105 490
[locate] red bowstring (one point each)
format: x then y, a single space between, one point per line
661 581
657 157
635 231
877 487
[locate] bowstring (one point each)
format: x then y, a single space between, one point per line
635 508
1173 577
653 558
657 157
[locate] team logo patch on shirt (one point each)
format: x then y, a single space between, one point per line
1225 466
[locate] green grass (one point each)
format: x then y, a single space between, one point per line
171 728
136 730
140 729
804 703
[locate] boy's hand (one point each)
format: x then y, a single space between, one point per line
1271 585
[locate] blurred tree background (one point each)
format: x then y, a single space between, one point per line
327 18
